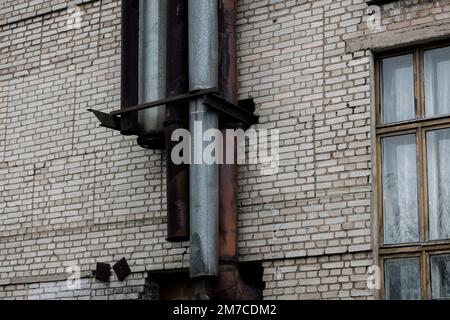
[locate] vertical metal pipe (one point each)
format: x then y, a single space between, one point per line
203 178
228 90
229 284
129 65
177 82
152 62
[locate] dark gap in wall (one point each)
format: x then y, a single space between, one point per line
177 285
168 285
252 273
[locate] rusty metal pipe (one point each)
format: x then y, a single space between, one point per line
229 285
177 117
129 65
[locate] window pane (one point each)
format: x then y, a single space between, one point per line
402 279
397 89
440 276
438 159
437 81
399 172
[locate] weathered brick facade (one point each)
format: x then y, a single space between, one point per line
73 193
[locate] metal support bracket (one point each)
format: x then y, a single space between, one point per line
107 120
235 112
241 113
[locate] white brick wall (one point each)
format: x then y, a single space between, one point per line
293 62
75 193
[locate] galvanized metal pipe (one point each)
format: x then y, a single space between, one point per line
152 62
129 66
203 178
177 83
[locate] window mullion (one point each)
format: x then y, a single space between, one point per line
419 85
379 179
424 186
424 276
421 156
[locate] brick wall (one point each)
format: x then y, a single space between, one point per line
324 277
73 193
293 61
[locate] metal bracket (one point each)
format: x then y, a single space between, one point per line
240 113
186 96
107 120
235 112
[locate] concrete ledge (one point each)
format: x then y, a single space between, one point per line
307 253
399 38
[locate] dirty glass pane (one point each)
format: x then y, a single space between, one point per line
440 276
402 279
437 81
438 160
397 89
399 174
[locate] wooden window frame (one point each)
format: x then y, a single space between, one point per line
419 126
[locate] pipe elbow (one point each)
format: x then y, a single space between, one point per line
230 286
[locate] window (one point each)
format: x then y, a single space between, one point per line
413 165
